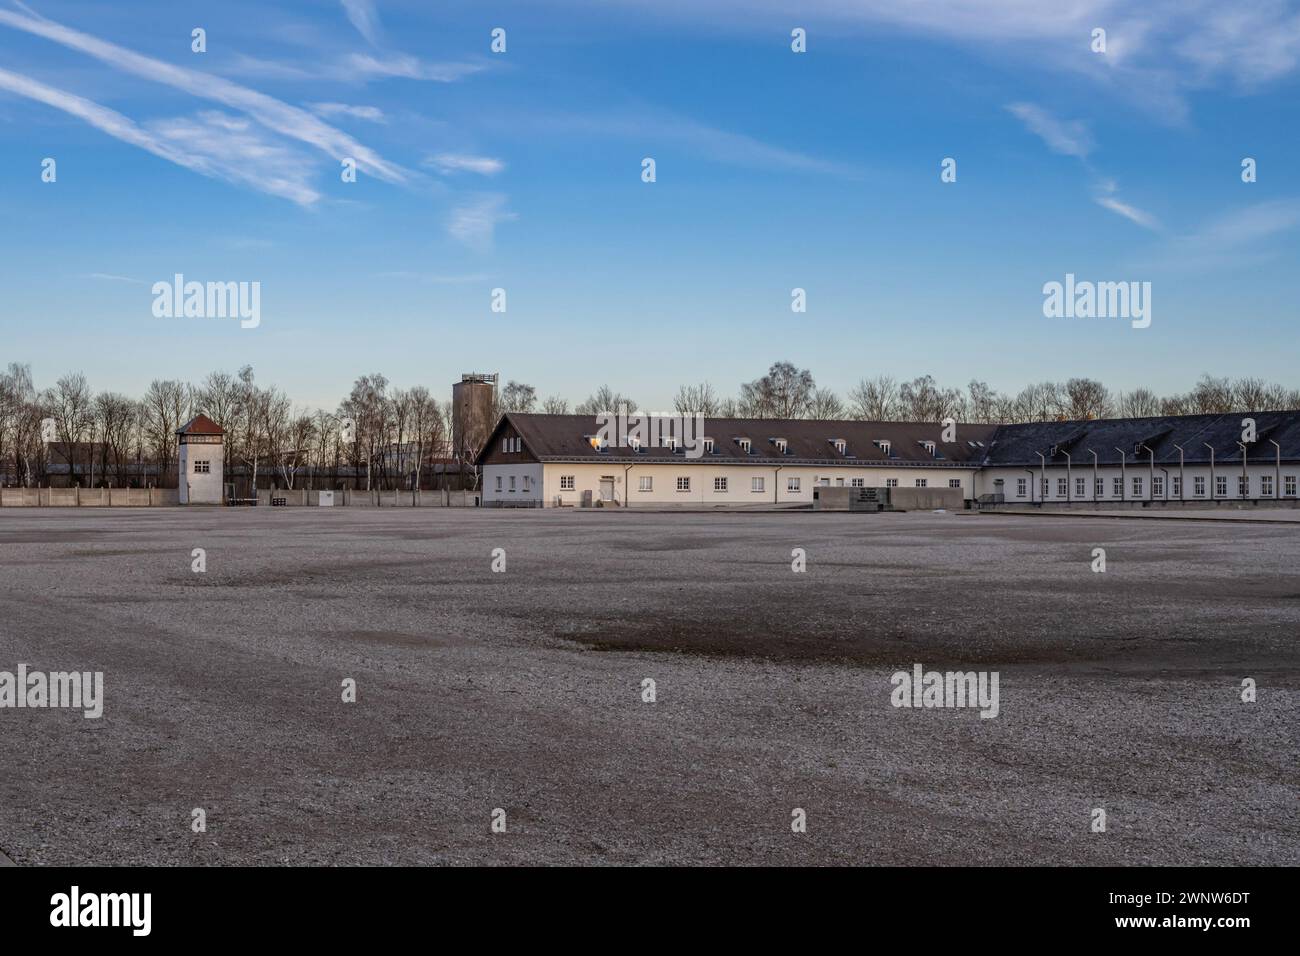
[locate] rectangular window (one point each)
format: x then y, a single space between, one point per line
202 467
505 445
498 482
839 482
1137 487
921 482
525 482
1080 487
824 482
1266 486
1061 487
1022 485
1099 487
1178 487
1198 486
566 482
1042 487
708 446
756 484
1117 487
719 484
858 482
1158 486
512 482
683 484
891 482
792 484
1243 486
1288 483
647 483
954 482
1220 486
744 444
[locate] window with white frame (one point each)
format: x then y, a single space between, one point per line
1198 486
708 446
512 482
824 482
840 445
525 482
1060 487
505 445
203 467
921 482
1289 485
858 482
683 483
1243 486
1117 487
891 482
498 482
1266 486
954 482
1220 486
719 484
1099 487
1177 487
647 483
566 482
780 444
1137 486
1158 486
792 484
1080 487
1022 486
1042 487
744 444
756 484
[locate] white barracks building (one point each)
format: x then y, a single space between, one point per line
1210 460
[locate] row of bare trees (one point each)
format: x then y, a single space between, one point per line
790 392
379 437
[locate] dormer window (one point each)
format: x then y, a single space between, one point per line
928 446
744 444
708 446
597 442
780 444
883 445
670 442
840 444
635 444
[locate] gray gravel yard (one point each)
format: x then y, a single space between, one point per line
523 690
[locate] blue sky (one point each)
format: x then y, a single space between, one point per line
522 170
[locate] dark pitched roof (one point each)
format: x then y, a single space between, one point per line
564 438
1020 444
200 425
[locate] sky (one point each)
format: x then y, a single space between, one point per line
522 170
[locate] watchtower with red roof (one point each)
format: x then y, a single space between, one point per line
200 453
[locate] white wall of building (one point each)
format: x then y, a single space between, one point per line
1020 485
196 485
707 484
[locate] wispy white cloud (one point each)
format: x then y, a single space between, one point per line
109 277
364 17
404 66
1069 138
1129 212
462 162
474 222
372 114
274 114
210 145
1240 237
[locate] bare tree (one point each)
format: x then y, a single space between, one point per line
555 405
605 399
166 408
696 400
1211 396
1086 398
875 399
1138 403
518 397
825 405
784 392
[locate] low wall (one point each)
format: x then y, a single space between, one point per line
88 497
348 498
1195 504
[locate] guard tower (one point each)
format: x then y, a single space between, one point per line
200 452
473 413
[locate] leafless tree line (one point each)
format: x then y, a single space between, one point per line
790 392
378 437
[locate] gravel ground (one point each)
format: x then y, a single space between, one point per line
522 690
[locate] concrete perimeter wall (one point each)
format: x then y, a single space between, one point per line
87 497
301 498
